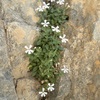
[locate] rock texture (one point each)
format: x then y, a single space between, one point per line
7 88
82 53
17 29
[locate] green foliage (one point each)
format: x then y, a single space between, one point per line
48 46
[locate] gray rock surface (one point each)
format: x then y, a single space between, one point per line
17 29
82 53
7 88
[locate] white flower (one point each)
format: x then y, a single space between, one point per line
34 47
60 2
68 6
64 69
55 29
52 0
45 23
50 88
63 39
40 8
43 93
46 6
29 50
57 64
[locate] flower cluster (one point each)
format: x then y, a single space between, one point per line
44 57
43 93
46 6
60 2
42 8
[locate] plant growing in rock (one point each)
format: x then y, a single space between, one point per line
46 54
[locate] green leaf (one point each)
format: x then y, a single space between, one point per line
34 71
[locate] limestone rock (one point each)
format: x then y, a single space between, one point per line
17 29
26 89
82 53
7 88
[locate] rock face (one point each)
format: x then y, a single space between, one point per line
17 29
82 53
7 88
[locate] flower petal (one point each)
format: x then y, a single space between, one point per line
52 85
40 92
26 47
26 51
49 84
30 46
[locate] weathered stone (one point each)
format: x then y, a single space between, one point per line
17 29
27 89
7 88
21 70
82 53
96 33
21 11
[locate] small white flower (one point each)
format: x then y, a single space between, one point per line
63 39
29 50
40 8
34 47
57 64
60 2
43 93
46 6
45 23
52 0
50 88
55 29
68 6
64 69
